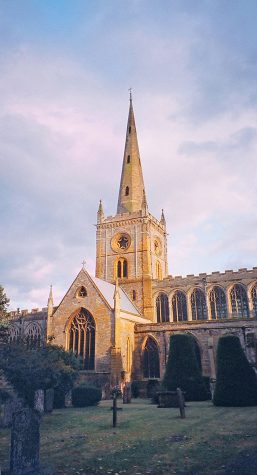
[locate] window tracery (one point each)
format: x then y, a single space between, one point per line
82 338
179 307
198 305
254 300
33 336
218 303
239 302
151 361
162 308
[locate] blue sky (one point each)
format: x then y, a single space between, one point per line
66 67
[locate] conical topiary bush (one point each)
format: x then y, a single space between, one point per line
182 369
236 383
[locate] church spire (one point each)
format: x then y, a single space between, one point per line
131 192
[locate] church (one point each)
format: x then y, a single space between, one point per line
119 321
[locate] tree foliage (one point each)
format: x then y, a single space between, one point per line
29 370
183 370
4 303
236 383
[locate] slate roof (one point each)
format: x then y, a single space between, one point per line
107 290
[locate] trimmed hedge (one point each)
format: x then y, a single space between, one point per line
85 395
236 383
182 369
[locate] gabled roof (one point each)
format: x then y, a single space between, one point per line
107 290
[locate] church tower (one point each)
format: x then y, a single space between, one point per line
132 245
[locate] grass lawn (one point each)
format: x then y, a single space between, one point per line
147 440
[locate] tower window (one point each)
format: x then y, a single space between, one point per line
127 191
128 159
134 295
122 268
129 130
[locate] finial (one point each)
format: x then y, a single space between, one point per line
163 220
130 94
84 264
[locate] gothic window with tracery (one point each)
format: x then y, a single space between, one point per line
198 305
122 268
162 308
254 300
218 303
82 338
239 302
14 333
151 362
33 336
179 307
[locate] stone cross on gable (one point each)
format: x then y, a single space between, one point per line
84 264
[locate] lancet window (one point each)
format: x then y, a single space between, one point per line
14 333
179 307
127 191
158 271
239 303
218 303
162 308
198 305
122 268
82 338
151 361
254 300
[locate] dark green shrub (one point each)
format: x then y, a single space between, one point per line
84 395
236 383
135 389
182 369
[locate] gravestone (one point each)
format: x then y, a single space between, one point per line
25 440
39 401
127 393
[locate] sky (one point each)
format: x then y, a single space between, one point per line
65 70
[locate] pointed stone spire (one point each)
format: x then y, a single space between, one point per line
163 220
100 212
132 183
50 303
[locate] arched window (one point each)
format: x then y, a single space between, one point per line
179 307
33 336
218 303
198 305
151 363
127 191
158 271
82 338
128 356
122 268
82 292
14 333
239 303
128 159
254 300
162 308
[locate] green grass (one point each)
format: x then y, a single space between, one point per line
147 440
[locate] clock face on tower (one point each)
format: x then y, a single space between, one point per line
120 242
